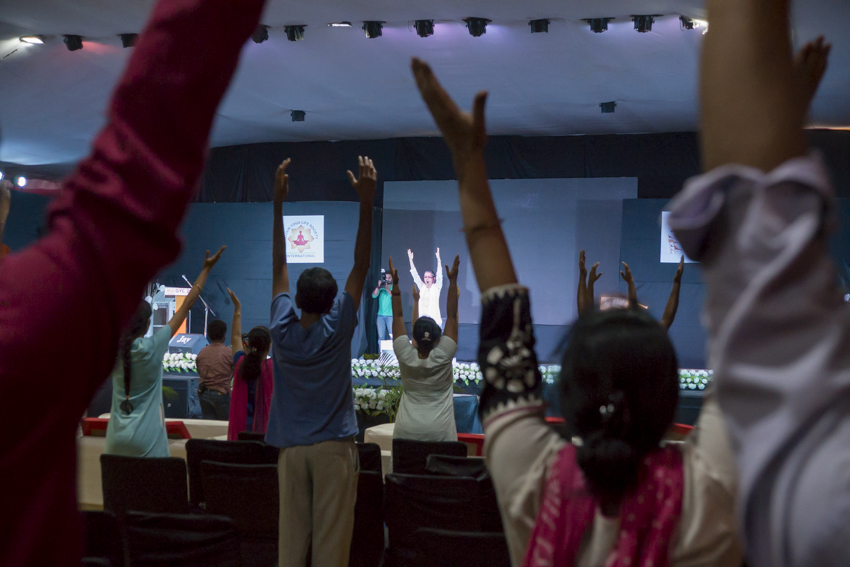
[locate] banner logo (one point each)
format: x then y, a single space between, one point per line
305 239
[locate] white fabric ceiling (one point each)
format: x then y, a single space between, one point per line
52 101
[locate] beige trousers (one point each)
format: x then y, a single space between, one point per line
318 488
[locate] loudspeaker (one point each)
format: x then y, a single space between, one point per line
177 404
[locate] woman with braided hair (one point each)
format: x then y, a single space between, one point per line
137 421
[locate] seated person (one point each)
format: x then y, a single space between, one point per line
215 372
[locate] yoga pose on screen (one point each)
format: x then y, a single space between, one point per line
429 289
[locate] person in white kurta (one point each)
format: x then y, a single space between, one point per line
429 289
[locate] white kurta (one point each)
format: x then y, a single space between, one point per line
429 297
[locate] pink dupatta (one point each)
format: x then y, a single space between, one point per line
239 401
649 516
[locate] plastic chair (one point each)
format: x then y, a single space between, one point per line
188 540
144 484
234 452
419 501
446 548
370 457
367 543
248 494
409 456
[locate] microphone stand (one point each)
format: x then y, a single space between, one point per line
207 309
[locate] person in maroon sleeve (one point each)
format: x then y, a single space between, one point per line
111 228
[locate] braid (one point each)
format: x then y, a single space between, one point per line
259 341
135 329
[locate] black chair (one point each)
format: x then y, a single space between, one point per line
367 543
188 540
446 548
248 494
251 436
144 484
370 457
410 457
104 539
234 452
474 467
418 501
97 562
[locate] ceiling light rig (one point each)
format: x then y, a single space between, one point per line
476 26
32 40
128 39
261 34
73 42
692 24
424 28
643 24
294 33
373 29
339 25
539 26
598 25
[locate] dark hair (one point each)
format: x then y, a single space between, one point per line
316 290
619 391
137 327
216 330
426 333
259 341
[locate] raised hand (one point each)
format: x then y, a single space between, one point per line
627 274
809 68
281 182
452 274
210 261
438 256
582 269
367 179
678 277
410 254
593 276
464 132
236 303
393 272
416 294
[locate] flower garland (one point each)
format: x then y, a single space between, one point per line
694 379
180 362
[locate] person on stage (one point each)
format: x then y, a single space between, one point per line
429 289
137 420
426 409
215 372
385 307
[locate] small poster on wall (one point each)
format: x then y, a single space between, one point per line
305 239
671 250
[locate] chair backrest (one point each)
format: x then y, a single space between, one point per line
188 540
446 548
251 436
446 465
410 457
235 452
144 484
104 539
367 543
370 457
421 501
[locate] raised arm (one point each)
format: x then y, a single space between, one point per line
417 281
673 302
399 329
415 316
438 275
280 271
197 287
630 280
451 301
365 186
466 137
236 324
589 296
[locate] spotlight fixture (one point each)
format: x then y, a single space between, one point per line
476 26
74 42
643 24
128 39
2 175
424 28
21 181
539 26
373 29
261 34
294 33
298 115
608 107
33 39
687 23
339 25
598 25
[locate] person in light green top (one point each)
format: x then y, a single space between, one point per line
137 420
385 306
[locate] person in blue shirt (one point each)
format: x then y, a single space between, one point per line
312 416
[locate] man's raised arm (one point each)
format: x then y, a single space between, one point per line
280 271
365 185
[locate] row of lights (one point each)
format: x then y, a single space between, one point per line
19 181
424 28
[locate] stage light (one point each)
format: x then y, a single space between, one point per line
33 39
598 25
294 33
539 26
476 26
643 24
424 28
261 34
2 175
687 23
373 29
73 42
608 107
298 115
339 24
128 39
21 181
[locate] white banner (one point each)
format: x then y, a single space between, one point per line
671 250
305 239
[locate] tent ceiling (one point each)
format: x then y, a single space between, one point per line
52 101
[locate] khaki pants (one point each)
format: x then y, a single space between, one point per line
318 488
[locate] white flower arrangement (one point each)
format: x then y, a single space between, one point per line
692 379
180 362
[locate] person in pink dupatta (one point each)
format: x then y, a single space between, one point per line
253 381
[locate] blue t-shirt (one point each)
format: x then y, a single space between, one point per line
312 400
